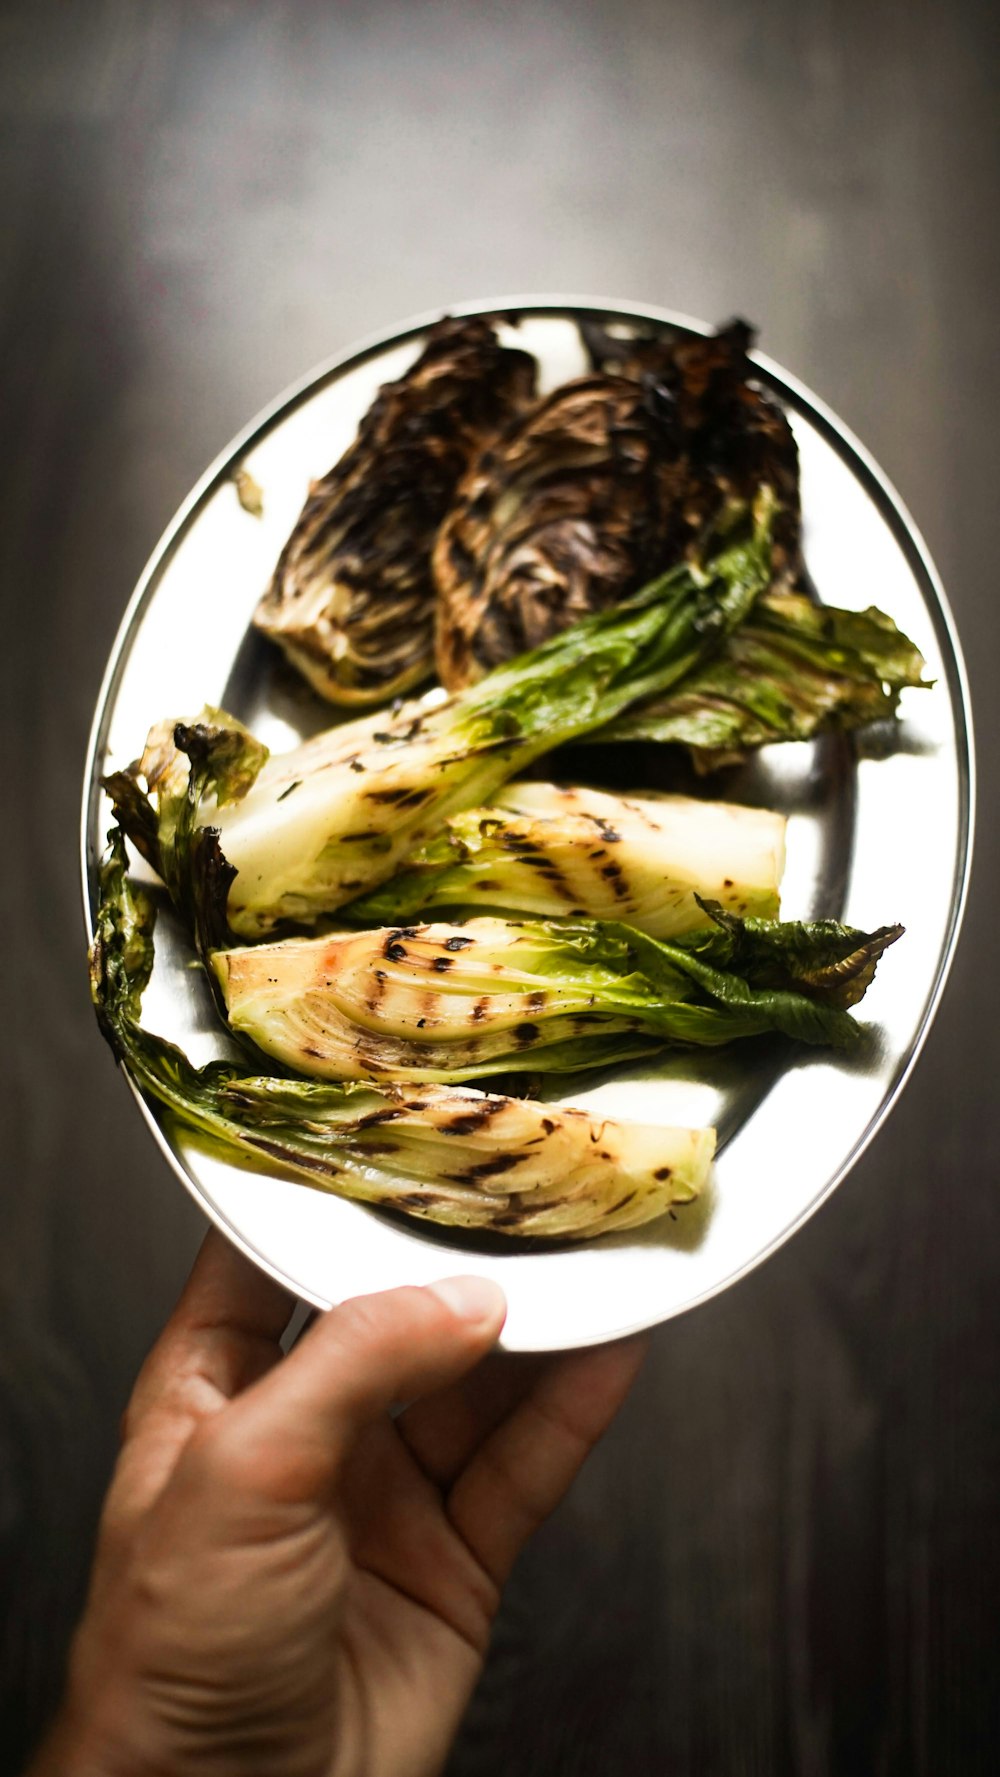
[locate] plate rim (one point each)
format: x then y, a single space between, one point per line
907 534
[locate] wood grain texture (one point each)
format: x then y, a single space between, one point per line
786 1557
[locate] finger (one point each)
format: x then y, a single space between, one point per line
221 1337
521 1472
444 1430
286 1437
223 1332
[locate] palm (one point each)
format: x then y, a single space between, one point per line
422 1592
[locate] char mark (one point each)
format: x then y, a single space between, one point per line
485 1169
470 1121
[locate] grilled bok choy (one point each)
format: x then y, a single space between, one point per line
441 1002
303 833
461 1158
550 852
791 671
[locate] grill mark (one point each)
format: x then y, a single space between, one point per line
470 1121
536 1000
306 1163
523 1034
441 964
457 943
485 1169
480 1009
663 1172
519 1212
612 872
378 990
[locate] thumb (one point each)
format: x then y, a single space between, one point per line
286 1437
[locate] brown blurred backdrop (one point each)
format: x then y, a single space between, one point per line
786 1558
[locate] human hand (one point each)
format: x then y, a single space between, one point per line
288 1580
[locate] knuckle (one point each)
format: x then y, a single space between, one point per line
215 1458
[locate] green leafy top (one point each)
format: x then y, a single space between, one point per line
793 670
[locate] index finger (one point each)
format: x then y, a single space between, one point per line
222 1335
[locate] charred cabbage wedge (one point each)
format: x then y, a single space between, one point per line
352 599
551 852
460 1158
323 824
610 479
440 1002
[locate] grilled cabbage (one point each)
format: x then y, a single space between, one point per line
605 482
351 601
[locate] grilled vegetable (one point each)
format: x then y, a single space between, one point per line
351 600
440 1002
608 480
325 823
551 852
735 437
463 1159
791 671
572 509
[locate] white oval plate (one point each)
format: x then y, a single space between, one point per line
879 831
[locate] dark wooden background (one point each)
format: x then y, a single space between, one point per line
786 1559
